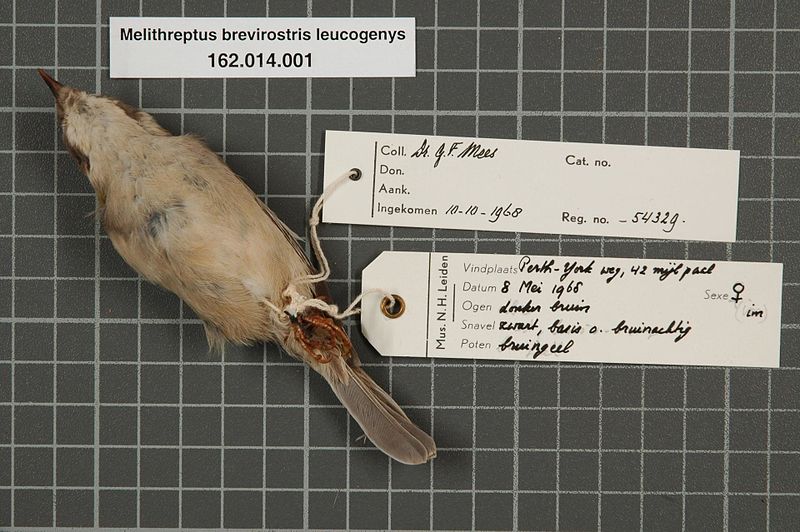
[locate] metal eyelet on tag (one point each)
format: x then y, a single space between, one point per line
355 174
393 310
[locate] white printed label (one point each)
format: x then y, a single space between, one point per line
533 186
205 47
576 309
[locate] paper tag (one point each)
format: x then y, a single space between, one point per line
165 47
576 309
533 186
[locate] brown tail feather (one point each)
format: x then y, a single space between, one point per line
382 420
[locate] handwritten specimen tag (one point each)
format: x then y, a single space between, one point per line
221 47
533 186
575 309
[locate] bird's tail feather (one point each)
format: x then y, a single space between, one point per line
382 420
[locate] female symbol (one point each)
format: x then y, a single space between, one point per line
738 288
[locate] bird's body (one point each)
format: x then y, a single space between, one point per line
181 218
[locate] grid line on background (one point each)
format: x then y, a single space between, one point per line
55 288
644 254
306 371
391 248
771 251
517 247
431 501
12 384
522 446
223 354
180 332
96 312
139 370
350 298
729 253
456 27
475 250
686 256
602 254
264 501
560 244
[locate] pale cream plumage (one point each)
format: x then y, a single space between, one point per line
181 218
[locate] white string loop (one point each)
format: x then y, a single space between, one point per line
297 301
313 222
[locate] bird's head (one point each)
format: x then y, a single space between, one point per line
87 120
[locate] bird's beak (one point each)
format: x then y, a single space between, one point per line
54 85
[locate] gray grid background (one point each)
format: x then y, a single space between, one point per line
113 414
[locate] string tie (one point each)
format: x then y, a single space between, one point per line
297 303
